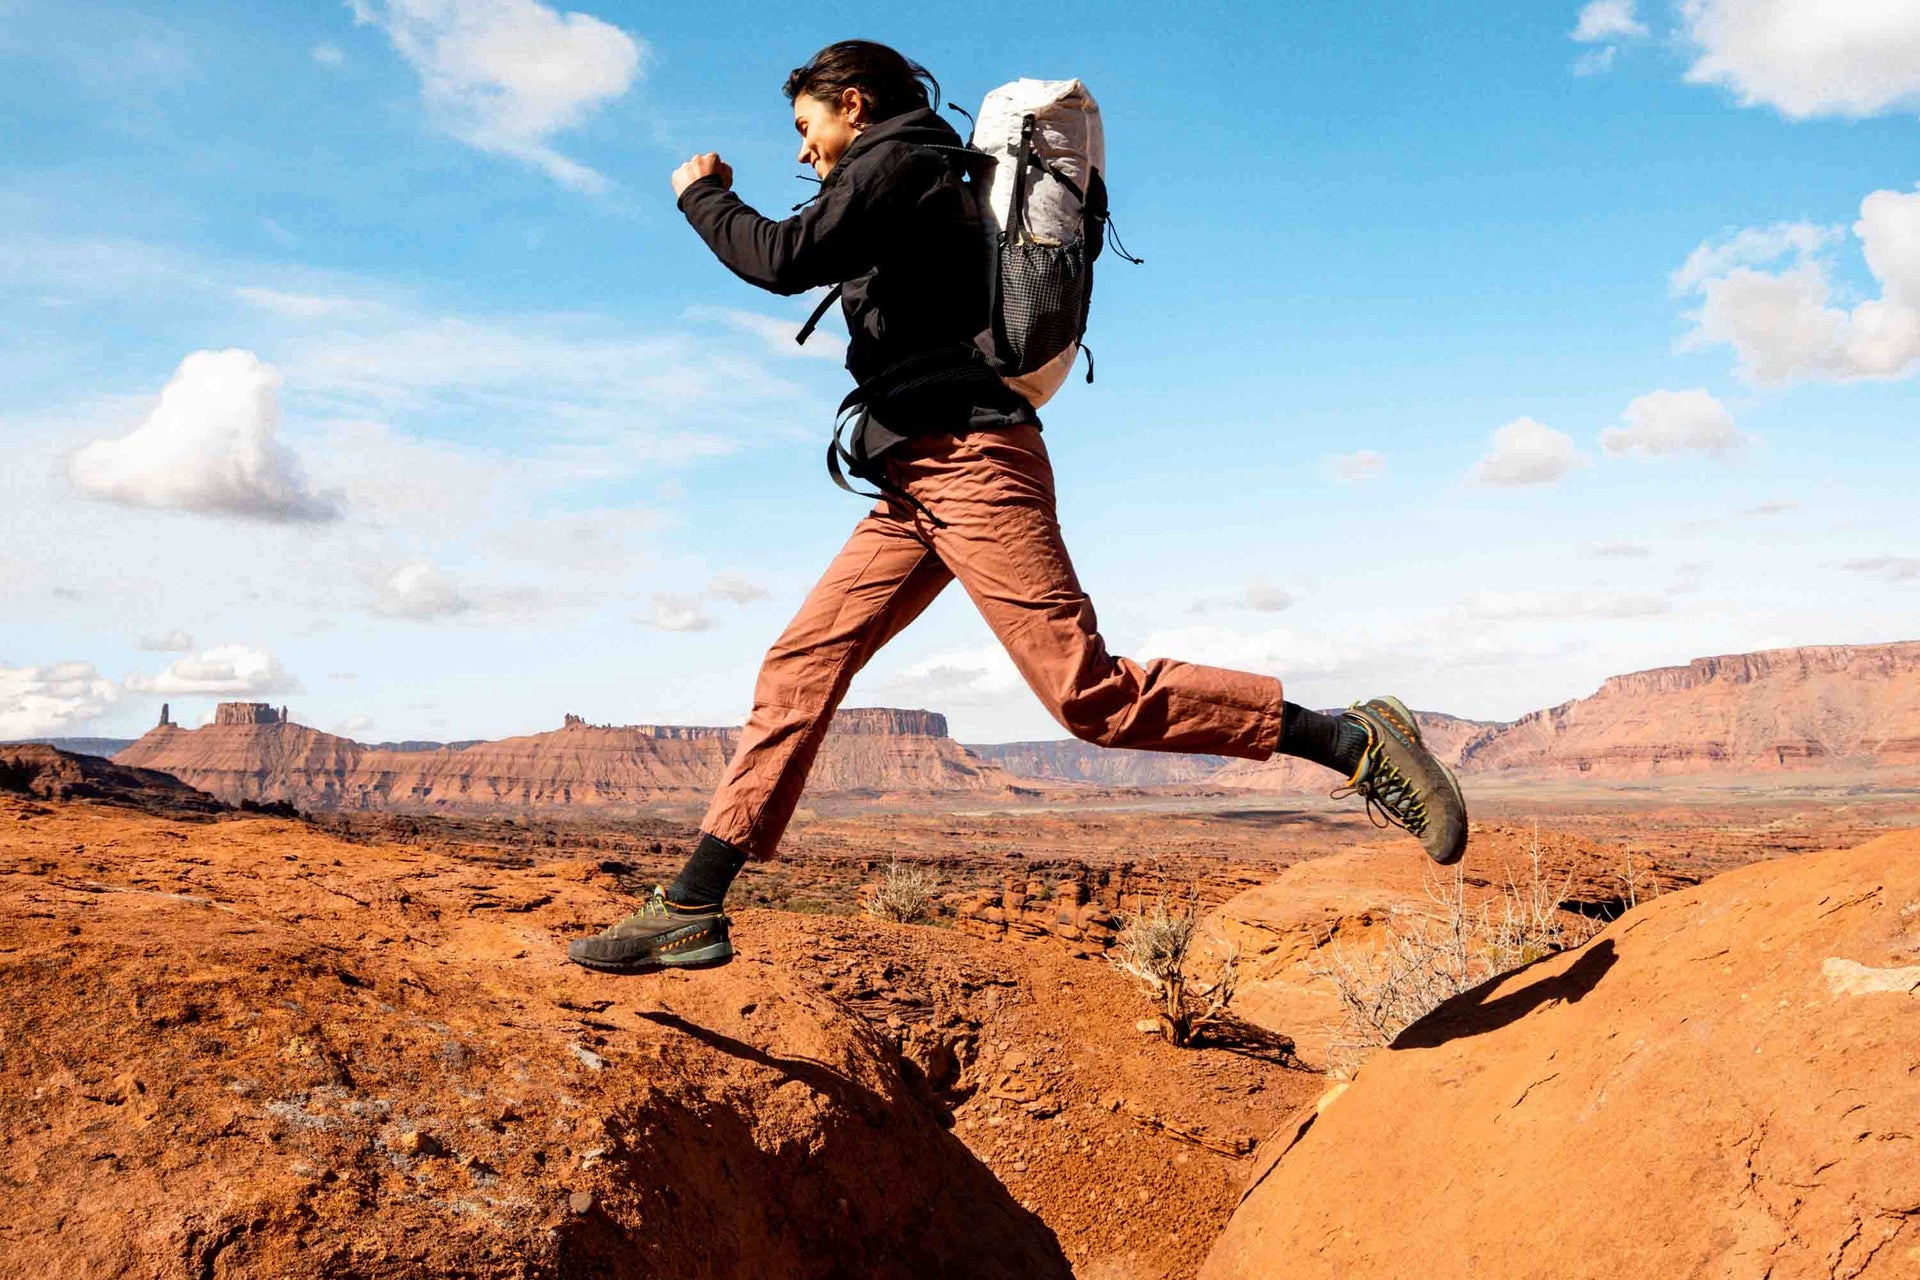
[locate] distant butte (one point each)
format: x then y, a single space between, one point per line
253 752
1830 706
1846 708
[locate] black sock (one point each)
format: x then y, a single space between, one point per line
1333 741
702 883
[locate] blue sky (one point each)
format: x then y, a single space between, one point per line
1471 360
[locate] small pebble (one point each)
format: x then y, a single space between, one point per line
416 1143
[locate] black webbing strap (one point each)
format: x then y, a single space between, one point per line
819 314
1017 207
862 468
922 372
1013 231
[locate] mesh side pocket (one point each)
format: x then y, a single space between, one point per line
1043 302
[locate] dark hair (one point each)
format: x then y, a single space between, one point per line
888 81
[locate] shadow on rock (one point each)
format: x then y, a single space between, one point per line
1478 1011
824 1178
1231 1034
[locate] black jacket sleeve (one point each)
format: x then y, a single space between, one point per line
828 242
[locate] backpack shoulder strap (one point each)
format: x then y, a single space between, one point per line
819 314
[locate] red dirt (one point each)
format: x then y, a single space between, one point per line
215 1097
246 1049
220 1037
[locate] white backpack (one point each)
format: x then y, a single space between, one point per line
1045 211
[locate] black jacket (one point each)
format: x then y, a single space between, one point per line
894 226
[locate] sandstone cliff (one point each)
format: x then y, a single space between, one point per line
1070 760
48 773
1834 705
244 756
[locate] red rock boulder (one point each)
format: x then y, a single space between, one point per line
1724 1083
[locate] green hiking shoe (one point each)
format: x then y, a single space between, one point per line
656 938
1402 783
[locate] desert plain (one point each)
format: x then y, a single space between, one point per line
280 1004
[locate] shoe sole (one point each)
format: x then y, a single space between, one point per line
1461 800
711 956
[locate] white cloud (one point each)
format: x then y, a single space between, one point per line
978 677
621 396
208 446
1525 452
232 671
1608 20
1663 423
1622 551
506 76
1887 568
37 702
736 590
1596 62
354 724
175 641
1751 247
1359 466
1809 58
1786 325
1280 652
328 54
777 332
1768 509
599 541
678 613
1260 597
418 592
1603 21
1507 606
302 306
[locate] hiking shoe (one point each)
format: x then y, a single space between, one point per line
1403 785
656 938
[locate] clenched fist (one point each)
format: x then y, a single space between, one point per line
709 165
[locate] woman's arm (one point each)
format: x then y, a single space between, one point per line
828 242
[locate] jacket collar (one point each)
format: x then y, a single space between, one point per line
921 125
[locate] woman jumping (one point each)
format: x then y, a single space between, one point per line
968 495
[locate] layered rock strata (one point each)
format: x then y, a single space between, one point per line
251 753
1070 760
1834 706
1071 911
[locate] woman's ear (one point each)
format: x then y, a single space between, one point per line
854 107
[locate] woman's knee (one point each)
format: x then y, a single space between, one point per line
1086 721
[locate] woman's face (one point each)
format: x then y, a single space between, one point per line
828 127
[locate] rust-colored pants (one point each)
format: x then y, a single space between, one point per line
994 492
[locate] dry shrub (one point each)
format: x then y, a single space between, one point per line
904 895
1156 947
1431 956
